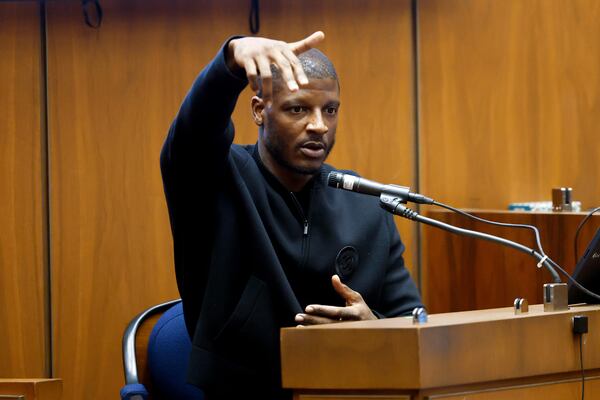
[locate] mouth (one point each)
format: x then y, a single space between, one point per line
313 149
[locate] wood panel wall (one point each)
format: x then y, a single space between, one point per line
112 94
507 108
509 100
462 273
23 325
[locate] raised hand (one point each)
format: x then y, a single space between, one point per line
255 55
355 310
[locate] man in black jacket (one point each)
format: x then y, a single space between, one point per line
261 242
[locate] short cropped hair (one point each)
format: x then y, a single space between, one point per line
315 64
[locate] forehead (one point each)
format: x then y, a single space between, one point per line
326 89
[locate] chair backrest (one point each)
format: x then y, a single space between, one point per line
169 348
156 349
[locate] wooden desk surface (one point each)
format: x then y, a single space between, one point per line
450 349
32 389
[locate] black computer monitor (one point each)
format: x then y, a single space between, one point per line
587 273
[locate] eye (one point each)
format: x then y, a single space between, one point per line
296 109
331 110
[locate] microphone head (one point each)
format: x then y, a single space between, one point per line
335 179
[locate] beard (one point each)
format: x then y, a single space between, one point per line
276 149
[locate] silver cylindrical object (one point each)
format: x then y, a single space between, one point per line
419 315
562 199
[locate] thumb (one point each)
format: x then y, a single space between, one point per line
349 295
307 43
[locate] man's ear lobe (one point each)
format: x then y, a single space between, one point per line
258 109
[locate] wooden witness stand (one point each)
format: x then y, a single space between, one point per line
473 355
30 389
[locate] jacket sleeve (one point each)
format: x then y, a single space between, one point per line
399 293
193 161
202 132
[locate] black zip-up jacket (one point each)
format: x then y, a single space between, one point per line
248 257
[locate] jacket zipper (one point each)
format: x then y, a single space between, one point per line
301 212
305 229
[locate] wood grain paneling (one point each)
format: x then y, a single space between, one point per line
22 252
509 100
569 390
346 396
31 389
472 351
113 92
112 95
461 273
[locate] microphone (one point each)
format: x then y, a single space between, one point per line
353 183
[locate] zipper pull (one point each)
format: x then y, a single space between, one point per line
305 227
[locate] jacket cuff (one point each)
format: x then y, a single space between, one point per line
222 59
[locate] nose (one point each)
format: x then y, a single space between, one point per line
317 124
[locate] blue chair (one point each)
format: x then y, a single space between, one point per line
162 362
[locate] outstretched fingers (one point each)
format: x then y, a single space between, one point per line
251 73
355 310
264 69
349 295
286 71
307 43
296 66
255 56
316 314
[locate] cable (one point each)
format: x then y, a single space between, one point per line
254 18
541 251
537 238
582 370
579 231
394 205
546 258
96 11
505 224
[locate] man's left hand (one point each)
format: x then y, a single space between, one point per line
355 310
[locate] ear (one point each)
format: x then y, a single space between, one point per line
258 110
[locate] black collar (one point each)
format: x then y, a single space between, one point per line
316 181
